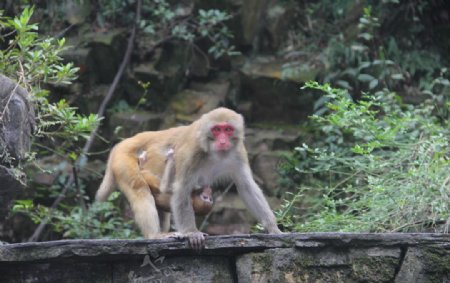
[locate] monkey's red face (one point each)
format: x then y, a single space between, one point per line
222 133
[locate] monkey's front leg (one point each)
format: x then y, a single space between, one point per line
183 215
254 199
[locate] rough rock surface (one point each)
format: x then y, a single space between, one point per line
16 119
313 257
16 126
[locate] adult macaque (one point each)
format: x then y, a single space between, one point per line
209 150
201 198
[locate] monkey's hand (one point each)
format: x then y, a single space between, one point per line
196 239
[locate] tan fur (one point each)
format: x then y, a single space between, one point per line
196 164
162 192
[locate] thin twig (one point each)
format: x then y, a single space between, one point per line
8 34
77 187
83 159
64 31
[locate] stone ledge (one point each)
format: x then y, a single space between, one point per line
292 257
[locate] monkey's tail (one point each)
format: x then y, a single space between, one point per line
107 185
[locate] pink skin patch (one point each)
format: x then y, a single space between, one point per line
222 133
207 195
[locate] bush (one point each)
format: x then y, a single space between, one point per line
383 166
34 62
101 220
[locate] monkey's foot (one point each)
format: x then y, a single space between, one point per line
196 239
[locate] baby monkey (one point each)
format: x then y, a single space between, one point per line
202 200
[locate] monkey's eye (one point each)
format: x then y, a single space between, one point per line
228 129
215 129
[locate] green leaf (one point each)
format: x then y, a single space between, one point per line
366 36
383 62
444 82
365 78
344 84
398 76
364 65
364 21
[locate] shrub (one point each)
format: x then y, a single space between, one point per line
383 166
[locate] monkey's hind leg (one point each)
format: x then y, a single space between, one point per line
143 205
152 181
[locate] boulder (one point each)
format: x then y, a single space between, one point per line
17 123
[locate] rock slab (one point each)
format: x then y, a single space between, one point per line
311 257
